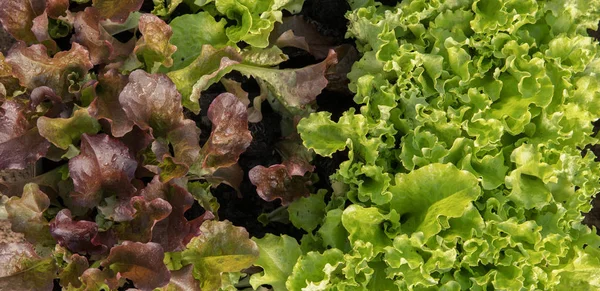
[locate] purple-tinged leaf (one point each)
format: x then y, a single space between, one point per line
154 47
63 132
230 135
69 276
17 17
295 88
140 263
175 231
147 214
275 182
153 103
337 74
182 280
101 45
20 145
32 66
296 32
57 8
117 10
220 248
40 30
296 157
13 122
26 215
23 270
106 105
185 140
19 152
232 176
137 140
76 236
104 168
117 208
43 93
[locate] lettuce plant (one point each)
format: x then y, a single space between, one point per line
109 94
465 168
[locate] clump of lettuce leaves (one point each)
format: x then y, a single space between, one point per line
109 93
465 167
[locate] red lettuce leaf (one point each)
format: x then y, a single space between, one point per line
32 66
19 152
57 8
153 103
17 17
76 236
147 213
140 263
175 231
275 182
296 157
337 74
230 135
182 280
185 141
106 104
295 31
13 122
20 145
101 45
232 176
154 47
117 10
104 168
23 270
40 30
117 208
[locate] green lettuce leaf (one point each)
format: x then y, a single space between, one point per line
221 248
23 269
26 215
153 47
424 198
278 255
191 32
64 132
